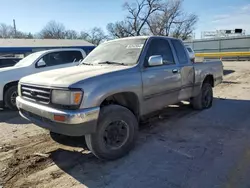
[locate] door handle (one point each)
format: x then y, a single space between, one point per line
175 71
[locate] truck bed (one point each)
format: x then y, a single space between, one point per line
206 67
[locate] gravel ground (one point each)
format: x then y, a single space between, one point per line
178 148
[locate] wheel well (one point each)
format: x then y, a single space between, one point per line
8 85
126 99
209 79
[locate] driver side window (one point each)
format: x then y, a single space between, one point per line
61 57
160 47
52 59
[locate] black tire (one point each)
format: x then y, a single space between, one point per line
205 98
113 118
10 97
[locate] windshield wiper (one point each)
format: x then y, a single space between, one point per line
112 63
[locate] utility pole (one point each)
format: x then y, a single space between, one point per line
14 25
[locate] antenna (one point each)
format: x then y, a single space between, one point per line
14 25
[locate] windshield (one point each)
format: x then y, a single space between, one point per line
126 51
28 60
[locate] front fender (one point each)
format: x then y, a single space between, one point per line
96 90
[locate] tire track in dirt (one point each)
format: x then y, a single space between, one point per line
25 157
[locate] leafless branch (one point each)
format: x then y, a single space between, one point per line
157 17
53 30
94 36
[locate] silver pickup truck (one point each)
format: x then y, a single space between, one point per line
115 86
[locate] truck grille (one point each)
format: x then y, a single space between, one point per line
36 94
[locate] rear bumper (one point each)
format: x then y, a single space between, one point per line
77 122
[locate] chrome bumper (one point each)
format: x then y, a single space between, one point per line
77 122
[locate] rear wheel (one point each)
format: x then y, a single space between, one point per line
115 135
205 98
10 97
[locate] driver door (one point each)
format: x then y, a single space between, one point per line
161 84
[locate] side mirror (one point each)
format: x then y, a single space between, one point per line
41 63
155 60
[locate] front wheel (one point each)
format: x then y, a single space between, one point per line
116 133
205 98
10 97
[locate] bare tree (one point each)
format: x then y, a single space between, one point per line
53 30
163 20
119 29
154 17
172 21
6 31
71 34
94 36
135 22
185 28
30 36
139 13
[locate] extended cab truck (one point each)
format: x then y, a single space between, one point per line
34 63
116 85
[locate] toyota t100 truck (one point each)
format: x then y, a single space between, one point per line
116 85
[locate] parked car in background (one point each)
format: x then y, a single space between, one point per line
34 63
116 85
190 53
8 61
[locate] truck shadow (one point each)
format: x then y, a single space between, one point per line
227 72
92 172
69 141
171 113
11 117
85 167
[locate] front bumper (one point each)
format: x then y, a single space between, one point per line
77 122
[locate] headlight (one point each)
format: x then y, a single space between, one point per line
65 97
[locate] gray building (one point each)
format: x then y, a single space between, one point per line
26 46
230 44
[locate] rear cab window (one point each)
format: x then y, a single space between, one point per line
180 51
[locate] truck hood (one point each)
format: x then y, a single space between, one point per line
65 77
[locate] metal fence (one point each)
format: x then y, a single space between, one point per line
232 44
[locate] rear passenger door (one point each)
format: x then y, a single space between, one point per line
161 84
186 69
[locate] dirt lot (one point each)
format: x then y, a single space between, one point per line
178 148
